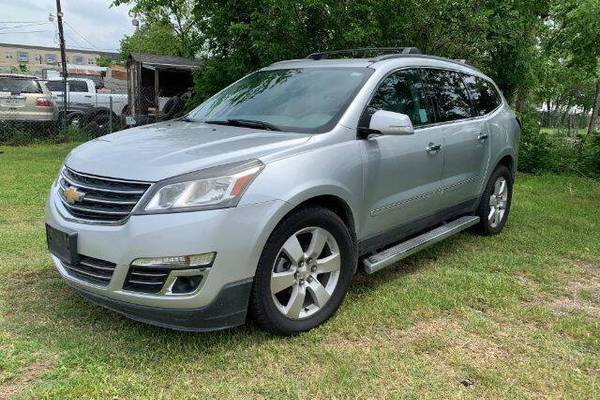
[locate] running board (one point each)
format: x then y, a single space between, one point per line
402 250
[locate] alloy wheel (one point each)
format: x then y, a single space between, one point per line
305 273
498 202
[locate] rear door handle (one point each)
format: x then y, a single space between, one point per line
482 136
433 148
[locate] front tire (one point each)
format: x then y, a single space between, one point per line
304 272
494 206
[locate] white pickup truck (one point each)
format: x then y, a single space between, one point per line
82 95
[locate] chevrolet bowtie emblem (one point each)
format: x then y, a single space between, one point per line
72 195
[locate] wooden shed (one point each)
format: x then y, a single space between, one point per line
152 78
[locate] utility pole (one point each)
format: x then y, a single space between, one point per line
63 56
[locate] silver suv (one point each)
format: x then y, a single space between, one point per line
265 199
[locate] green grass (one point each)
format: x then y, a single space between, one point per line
517 314
574 131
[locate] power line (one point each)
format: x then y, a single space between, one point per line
94 47
11 33
20 22
23 26
83 37
74 41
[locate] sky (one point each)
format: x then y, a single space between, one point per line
88 24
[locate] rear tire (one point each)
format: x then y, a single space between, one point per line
495 202
303 273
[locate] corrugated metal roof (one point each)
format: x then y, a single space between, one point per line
163 61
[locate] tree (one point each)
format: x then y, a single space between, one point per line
154 38
562 88
513 55
575 33
498 36
164 16
104 61
235 37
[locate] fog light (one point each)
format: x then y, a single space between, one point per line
186 284
192 261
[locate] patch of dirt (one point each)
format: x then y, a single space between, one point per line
26 377
435 336
589 268
573 301
566 306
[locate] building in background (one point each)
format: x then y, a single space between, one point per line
45 62
37 59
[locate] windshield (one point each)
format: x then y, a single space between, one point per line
299 100
18 85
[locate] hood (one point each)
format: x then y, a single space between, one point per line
159 151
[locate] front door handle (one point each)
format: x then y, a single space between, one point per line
433 148
482 136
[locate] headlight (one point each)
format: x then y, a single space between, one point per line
218 187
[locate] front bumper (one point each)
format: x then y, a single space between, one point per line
227 310
237 235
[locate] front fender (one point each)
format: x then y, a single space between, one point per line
334 170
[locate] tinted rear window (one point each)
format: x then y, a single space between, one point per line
55 86
449 94
74 86
483 94
17 85
78 86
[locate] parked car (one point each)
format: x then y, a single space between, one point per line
83 95
24 100
267 198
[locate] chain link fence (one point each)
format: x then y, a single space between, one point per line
31 113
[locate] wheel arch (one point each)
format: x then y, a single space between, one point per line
506 158
333 203
508 161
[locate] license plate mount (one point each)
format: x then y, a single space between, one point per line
12 101
62 245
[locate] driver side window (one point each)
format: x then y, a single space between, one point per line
400 92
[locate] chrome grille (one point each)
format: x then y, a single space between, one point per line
100 199
91 270
146 279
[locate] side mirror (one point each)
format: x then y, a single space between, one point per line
391 123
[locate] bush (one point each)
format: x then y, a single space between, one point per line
21 133
16 137
73 134
555 151
534 150
590 160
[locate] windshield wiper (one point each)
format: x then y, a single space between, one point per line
246 123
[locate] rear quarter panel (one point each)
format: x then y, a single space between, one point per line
505 134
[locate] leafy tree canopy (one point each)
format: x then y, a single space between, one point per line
154 38
575 36
104 61
242 35
165 19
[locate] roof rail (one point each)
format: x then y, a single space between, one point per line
364 51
